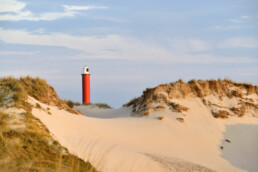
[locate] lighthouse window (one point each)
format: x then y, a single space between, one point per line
87 69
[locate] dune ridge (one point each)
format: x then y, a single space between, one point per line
20 88
211 92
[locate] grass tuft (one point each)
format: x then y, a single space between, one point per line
177 107
103 105
221 114
38 106
13 94
71 103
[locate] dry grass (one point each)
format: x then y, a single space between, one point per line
235 93
38 88
243 107
13 94
20 89
147 112
177 107
33 149
159 108
163 94
71 103
38 106
203 88
221 114
239 111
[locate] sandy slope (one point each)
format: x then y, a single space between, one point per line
113 140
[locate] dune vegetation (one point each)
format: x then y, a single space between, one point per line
31 148
71 104
209 92
20 89
25 143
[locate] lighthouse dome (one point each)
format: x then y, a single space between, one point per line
85 70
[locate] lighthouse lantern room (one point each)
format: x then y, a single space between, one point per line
85 85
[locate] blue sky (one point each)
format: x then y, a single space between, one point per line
128 45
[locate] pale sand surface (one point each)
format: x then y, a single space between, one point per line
113 140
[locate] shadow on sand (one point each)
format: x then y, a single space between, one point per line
240 146
93 112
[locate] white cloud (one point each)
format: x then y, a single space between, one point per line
54 15
118 47
15 11
11 5
97 47
239 42
79 8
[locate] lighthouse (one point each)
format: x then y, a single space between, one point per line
85 85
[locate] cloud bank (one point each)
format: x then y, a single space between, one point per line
130 48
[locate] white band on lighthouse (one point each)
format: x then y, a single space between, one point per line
85 70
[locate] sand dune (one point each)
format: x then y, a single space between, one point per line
114 140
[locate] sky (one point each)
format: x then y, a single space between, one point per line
128 45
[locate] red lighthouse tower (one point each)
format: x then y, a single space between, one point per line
85 85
